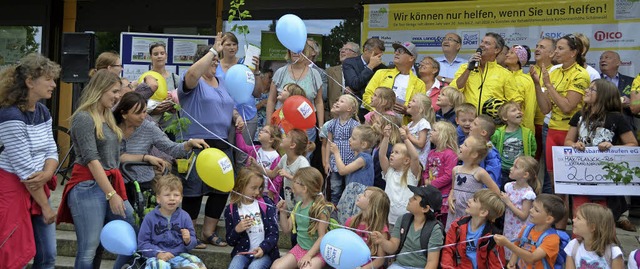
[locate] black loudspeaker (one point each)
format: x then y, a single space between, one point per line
77 56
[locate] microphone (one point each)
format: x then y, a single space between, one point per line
474 64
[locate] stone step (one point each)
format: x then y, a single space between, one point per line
63 262
284 240
213 257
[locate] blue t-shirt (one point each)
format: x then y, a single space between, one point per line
247 110
363 175
211 107
472 246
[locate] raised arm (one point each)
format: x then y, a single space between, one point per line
195 72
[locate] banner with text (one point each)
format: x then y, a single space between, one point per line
580 172
610 25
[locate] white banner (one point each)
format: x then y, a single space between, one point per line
580 172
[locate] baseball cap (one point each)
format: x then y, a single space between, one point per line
430 194
410 47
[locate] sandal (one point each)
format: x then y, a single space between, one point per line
217 242
201 245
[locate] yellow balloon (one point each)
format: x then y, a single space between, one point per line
215 169
161 93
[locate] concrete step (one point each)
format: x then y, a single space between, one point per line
63 262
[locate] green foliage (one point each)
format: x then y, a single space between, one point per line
177 126
348 30
31 44
107 41
620 172
235 13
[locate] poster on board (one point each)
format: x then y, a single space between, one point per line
580 172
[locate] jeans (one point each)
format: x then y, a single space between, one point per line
546 183
248 262
337 186
90 211
45 238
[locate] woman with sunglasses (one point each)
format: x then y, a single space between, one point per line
561 94
211 111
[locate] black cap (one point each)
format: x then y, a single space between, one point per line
430 194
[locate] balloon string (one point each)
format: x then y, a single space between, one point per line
431 249
209 131
344 89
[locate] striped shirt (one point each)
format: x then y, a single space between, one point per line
341 134
28 140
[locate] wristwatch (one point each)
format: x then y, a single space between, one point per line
442 79
109 195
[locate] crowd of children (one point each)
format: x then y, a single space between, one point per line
450 189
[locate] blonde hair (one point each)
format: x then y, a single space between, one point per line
100 83
168 181
504 109
491 202
375 215
394 122
455 97
105 59
427 110
600 219
530 165
242 180
447 136
466 108
387 97
405 171
312 179
487 124
585 43
13 79
300 138
479 147
354 105
367 134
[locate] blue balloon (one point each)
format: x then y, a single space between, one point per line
292 32
343 249
118 237
239 82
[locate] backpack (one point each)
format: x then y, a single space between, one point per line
333 223
491 243
425 233
564 240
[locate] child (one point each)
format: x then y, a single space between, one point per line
359 173
519 195
374 212
266 155
483 209
546 211
166 234
261 100
251 225
448 100
596 245
399 171
422 115
468 177
483 128
634 256
345 109
465 114
415 231
277 118
512 140
305 254
382 102
379 124
441 162
295 146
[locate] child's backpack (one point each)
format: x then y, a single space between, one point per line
333 223
425 233
564 240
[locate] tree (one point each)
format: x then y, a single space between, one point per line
348 30
31 44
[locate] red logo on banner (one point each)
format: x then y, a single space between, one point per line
602 35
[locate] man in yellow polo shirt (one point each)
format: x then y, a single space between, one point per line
486 78
401 78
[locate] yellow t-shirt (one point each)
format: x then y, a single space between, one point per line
520 89
492 80
635 86
575 78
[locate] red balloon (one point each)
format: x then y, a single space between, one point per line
299 112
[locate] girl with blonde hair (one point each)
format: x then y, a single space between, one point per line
441 161
374 212
596 244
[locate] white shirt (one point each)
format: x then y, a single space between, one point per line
266 158
256 232
300 162
400 85
414 129
398 195
589 259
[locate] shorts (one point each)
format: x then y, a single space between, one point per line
298 252
554 138
184 260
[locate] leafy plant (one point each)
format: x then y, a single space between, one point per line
236 12
620 172
178 126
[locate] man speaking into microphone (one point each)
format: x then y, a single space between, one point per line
482 79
